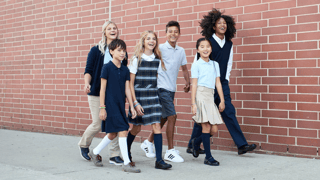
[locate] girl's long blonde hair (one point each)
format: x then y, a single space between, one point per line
103 43
139 49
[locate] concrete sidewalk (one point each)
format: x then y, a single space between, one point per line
27 155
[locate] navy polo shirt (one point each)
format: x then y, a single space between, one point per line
93 67
116 80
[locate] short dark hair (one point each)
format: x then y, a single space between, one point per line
117 43
198 44
173 23
209 21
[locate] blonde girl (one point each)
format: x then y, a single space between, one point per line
143 84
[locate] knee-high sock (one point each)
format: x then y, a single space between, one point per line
124 149
206 144
130 140
197 142
104 143
196 132
158 146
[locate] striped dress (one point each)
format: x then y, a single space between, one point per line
145 86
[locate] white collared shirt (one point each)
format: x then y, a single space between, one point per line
133 67
205 72
221 44
173 58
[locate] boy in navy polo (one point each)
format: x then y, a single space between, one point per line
173 57
220 29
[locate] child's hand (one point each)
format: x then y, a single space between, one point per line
194 109
186 88
222 106
139 110
133 113
87 88
103 114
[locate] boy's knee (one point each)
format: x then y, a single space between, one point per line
172 119
111 136
135 130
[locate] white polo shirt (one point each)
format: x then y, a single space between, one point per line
173 58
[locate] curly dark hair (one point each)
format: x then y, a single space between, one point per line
209 21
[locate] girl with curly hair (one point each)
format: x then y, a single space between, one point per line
220 29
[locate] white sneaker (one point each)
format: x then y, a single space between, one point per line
173 156
147 147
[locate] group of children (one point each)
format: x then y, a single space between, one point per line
149 85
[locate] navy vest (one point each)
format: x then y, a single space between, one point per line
221 55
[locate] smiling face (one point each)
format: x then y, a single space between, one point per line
172 34
220 26
111 32
204 49
150 42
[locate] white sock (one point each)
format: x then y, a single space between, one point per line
104 143
124 150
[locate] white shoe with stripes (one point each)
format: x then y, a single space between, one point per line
173 156
147 147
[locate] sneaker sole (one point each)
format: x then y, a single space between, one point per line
117 164
84 157
173 161
153 156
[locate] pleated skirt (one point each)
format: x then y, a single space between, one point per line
207 110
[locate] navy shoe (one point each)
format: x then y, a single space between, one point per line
195 152
189 150
246 148
84 152
162 165
116 160
211 162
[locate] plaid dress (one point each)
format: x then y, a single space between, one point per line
145 86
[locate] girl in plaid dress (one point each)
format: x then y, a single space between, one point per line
143 84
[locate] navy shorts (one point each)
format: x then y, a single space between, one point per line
166 100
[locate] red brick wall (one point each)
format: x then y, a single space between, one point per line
274 81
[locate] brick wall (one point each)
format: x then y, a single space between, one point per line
274 81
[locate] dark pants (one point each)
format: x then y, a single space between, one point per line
228 116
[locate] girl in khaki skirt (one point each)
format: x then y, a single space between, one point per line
205 76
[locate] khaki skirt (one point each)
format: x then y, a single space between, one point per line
207 110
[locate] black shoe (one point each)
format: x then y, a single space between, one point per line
84 152
189 150
246 148
116 161
211 162
195 153
162 165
